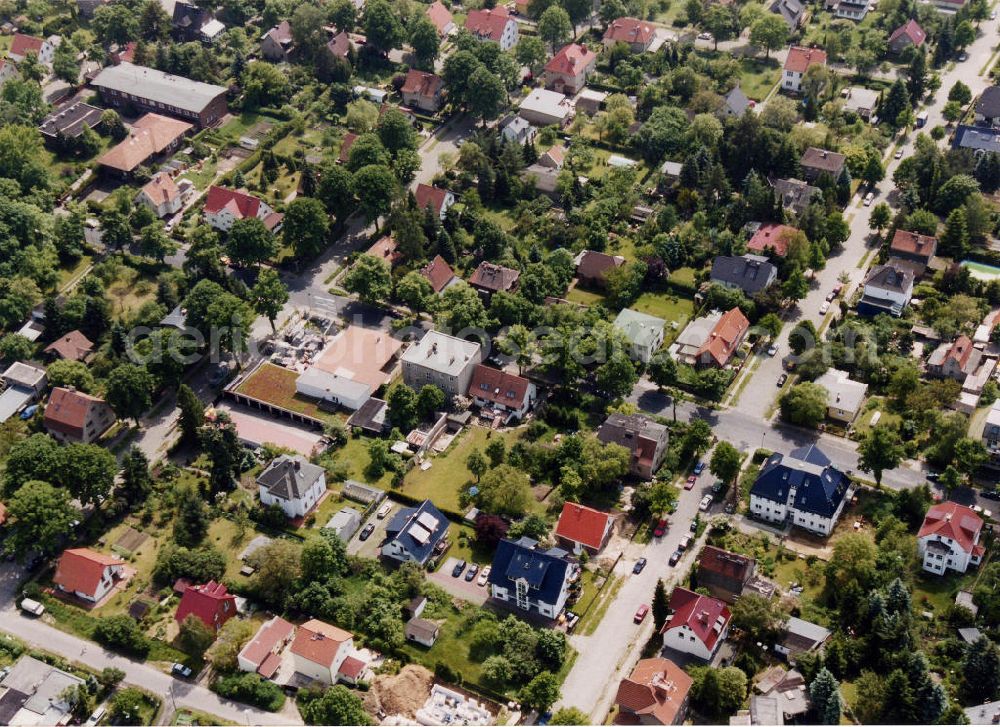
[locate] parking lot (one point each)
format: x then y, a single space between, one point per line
459 587
369 548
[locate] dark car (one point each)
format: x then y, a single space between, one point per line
457 570
699 468
639 565
367 531
782 379
990 494
675 558
471 573
694 526
181 671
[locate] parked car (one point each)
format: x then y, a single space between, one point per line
384 510
675 558
963 57
690 482
685 543
782 379
869 198
990 494
706 502
717 487
639 565
484 576
824 308
96 717
898 154
640 613
704 36
367 531
772 350
181 671
457 570
30 605
471 573
694 526
699 468
661 528
831 295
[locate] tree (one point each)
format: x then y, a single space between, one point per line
88 471
135 482
726 460
40 517
476 464
758 618
662 369
233 636
336 705
663 133
719 692
720 23
127 705
220 441
568 716
542 691
486 93
64 63
895 102
130 390
193 519
250 242
616 376
336 189
462 308
396 132
264 84
192 413
306 227
382 27
970 454
955 238
952 111
661 605
804 404
414 290
530 52
880 450
278 566
873 171
64 372
504 490
965 35
15 347
960 93
770 32
824 693
981 670
370 278
375 186
425 42
554 27
917 76
269 295
194 637
880 218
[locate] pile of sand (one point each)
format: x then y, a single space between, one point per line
402 694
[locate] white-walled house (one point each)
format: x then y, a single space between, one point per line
698 624
224 206
797 63
949 538
531 579
87 574
326 654
293 484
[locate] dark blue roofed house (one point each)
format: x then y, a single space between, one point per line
533 580
802 488
414 533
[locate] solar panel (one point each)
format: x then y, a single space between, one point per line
419 533
428 521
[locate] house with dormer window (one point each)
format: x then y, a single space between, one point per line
698 624
949 538
531 579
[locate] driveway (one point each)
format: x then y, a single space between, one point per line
458 587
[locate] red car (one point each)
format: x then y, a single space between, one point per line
640 613
690 482
661 528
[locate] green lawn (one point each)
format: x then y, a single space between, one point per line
864 421
683 276
668 306
186 717
936 593
585 297
352 459
758 76
452 645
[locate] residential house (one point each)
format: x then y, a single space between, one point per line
771 238
277 44
907 35
439 274
987 713
736 103
529 579
654 693
385 248
422 90
340 46
542 107
442 360
517 130
501 394
645 439
21 385
441 17
978 138
991 433
887 289
568 70
87 574
583 528
795 195
161 195
590 101
643 332
799 637
150 138
494 24
73 417
211 603
711 340
723 573
862 101
988 107
326 654
35 693
797 63
414 533
592 267
956 360
948 539
371 417
750 273
783 697
23 45
490 278
637 34
803 488
816 162
293 484
345 147
7 71
439 200
697 625
262 654
545 172
67 122
421 631
844 397
74 346
851 9
224 206
912 250
195 23
147 89
792 12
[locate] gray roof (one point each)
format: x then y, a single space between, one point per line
442 353
976 138
154 85
807 630
418 529
617 428
989 102
886 277
24 374
795 194
970 635
421 628
988 713
289 477
737 101
791 11
752 273
841 391
42 686
345 523
639 328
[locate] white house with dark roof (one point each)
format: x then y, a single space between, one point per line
844 397
988 107
293 484
414 533
887 290
530 579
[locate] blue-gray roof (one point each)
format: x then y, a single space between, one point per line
819 487
544 571
976 138
418 529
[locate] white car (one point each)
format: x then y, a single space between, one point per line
993 15
825 307
898 154
772 350
869 198
706 502
704 36
484 575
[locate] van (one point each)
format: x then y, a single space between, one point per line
96 717
384 510
921 119
30 605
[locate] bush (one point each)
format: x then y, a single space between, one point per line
252 689
121 633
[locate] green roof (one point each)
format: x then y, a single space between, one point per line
641 329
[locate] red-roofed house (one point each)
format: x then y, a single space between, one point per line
385 248
325 653
583 528
498 393
151 137
439 200
955 360
262 654
489 278
345 147
568 70
87 574
913 248
593 267
422 90
949 538
724 339
494 24
224 206
277 43
23 44
637 34
74 346
698 625
439 273
441 17
74 417
908 34
798 62
340 45
161 195
211 603
773 237
656 692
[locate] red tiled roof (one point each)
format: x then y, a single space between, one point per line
630 30
421 83
242 205
80 570
126 54
913 243
426 195
281 33
656 690
161 188
269 666
351 668
699 613
67 410
319 642
23 44
500 387
725 336
438 272
595 265
571 59
773 236
582 524
340 44
211 603
74 346
488 23
799 59
951 520
385 248
912 30
346 144
439 15
268 637
724 563
493 277
960 351
151 135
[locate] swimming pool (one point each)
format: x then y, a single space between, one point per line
982 271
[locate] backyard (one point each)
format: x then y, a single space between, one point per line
676 311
